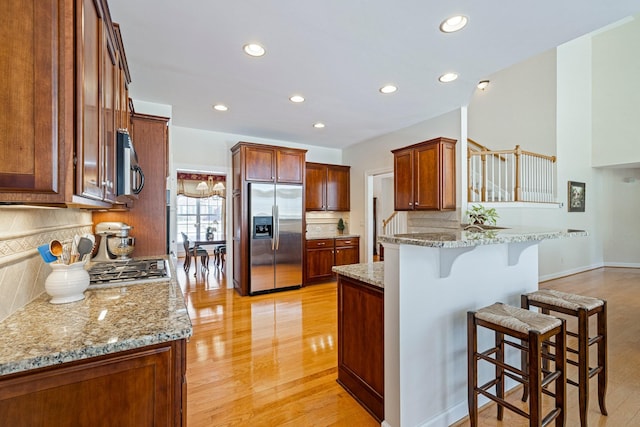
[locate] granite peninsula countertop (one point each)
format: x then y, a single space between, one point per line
459 238
107 321
371 273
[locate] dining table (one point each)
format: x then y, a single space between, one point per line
197 243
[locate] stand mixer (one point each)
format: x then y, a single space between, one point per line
115 242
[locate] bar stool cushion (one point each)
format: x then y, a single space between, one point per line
517 319
565 300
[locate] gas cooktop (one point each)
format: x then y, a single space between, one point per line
129 272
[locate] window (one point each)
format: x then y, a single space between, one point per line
201 218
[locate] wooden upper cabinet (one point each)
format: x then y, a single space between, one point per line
260 164
89 46
290 166
266 163
425 176
58 102
316 187
36 101
327 187
403 179
338 184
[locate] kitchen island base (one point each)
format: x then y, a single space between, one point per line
428 291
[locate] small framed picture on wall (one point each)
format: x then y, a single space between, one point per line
576 195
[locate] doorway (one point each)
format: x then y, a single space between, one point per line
379 190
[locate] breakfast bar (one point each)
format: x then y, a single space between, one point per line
431 280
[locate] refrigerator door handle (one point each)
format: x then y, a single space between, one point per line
273 231
276 220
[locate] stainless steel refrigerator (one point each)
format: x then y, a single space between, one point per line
276 214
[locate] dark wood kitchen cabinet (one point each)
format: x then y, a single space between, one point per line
425 176
361 343
327 187
265 163
322 254
347 250
57 102
256 163
142 387
320 260
36 101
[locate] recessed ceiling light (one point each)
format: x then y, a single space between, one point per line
453 24
253 49
482 84
220 107
388 89
318 125
448 77
297 99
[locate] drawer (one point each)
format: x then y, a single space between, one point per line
347 241
319 243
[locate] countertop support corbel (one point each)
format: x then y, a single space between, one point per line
448 257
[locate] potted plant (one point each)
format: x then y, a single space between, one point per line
340 226
479 215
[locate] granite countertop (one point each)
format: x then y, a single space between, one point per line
371 273
317 236
108 320
458 237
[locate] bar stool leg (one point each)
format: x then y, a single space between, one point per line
499 341
524 303
472 375
602 358
561 383
535 350
583 364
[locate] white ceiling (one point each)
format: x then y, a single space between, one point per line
337 54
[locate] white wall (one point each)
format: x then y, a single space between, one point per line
616 116
622 201
518 107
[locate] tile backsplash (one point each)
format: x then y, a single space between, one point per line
326 223
22 230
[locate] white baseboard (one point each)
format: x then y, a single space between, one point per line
570 272
622 264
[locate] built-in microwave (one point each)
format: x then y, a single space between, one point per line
129 175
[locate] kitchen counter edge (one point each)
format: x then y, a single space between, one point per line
106 321
458 238
371 273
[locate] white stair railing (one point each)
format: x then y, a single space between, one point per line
395 224
510 175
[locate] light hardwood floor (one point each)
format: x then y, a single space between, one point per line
270 360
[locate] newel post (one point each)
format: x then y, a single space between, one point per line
518 194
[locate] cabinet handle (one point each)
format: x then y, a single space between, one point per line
410 204
321 243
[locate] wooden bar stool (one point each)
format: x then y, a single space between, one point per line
582 308
532 330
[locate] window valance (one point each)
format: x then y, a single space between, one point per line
199 185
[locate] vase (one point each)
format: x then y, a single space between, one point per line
67 283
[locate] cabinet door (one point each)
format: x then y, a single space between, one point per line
290 166
319 264
32 101
260 164
403 180
338 184
89 64
110 68
347 250
448 176
347 255
315 187
426 177
120 390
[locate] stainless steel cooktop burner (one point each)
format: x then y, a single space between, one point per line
129 272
